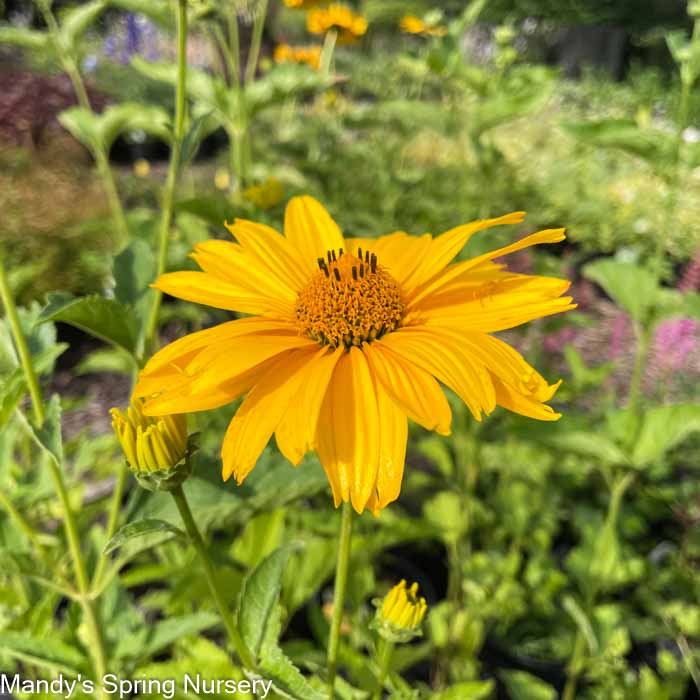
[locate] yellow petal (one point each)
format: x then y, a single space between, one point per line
296 432
203 288
435 352
261 410
414 389
393 437
311 231
454 272
524 405
235 264
271 249
348 431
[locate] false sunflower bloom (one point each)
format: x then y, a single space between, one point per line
311 55
349 25
410 24
346 339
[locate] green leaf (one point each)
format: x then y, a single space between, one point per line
82 125
651 144
632 287
582 622
46 653
214 209
133 116
158 10
106 319
75 21
107 360
48 435
133 270
259 596
286 677
523 686
469 690
662 429
25 38
587 444
446 513
281 83
199 128
165 632
139 529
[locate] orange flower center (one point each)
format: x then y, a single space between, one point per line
350 300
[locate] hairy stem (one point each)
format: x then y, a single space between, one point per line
196 539
384 652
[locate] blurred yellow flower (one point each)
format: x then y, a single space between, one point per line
415 25
304 4
311 55
265 195
222 179
402 610
142 167
346 338
350 26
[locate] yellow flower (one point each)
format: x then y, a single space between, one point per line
156 448
311 55
222 179
414 25
347 338
304 4
266 195
142 167
350 26
401 613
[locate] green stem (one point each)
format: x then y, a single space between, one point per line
329 42
24 527
341 581
235 47
196 539
255 42
151 327
384 653
643 339
112 521
89 612
574 670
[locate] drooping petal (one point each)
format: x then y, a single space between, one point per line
392 450
348 431
524 405
296 432
311 231
414 389
203 288
261 411
435 352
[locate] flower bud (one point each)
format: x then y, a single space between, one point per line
400 613
157 448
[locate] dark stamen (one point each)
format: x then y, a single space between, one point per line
328 255
359 253
336 272
340 252
362 269
333 254
373 263
354 273
367 256
320 262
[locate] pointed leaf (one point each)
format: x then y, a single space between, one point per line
106 319
140 528
24 38
83 125
286 677
47 653
469 690
524 686
75 21
259 596
48 435
663 428
132 116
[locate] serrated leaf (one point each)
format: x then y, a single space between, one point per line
524 686
632 287
132 116
47 653
133 270
287 679
662 429
106 319
25 38
139 529
469 690
259 596
165 632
